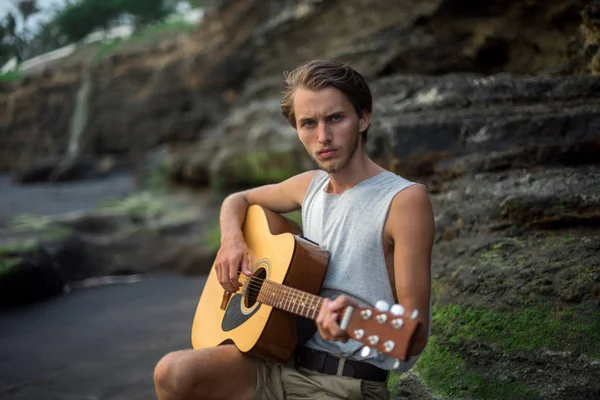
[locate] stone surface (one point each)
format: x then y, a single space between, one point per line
180 89
29 276
105 340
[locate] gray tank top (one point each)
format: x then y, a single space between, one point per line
350 227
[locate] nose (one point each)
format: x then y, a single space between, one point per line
323 134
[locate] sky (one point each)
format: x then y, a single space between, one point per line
33 22
46 11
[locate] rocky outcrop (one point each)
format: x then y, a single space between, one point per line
69 169
511 163
34 117
138 235
179 90
28 276
467 124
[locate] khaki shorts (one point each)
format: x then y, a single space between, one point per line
286 382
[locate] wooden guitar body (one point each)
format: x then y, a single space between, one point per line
276 253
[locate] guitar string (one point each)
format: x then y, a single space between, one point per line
256 284
254 288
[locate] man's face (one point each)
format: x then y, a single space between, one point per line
328 126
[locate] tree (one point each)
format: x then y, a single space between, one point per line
80 19
197 3
27 8
12 40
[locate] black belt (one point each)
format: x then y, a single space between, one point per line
327 364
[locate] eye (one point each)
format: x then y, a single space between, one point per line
308 124
335 118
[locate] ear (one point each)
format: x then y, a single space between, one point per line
364 121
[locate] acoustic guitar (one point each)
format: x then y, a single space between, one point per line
288 270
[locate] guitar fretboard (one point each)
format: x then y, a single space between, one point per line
289 299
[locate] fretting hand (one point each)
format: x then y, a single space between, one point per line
328 318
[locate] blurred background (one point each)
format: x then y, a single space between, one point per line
124 124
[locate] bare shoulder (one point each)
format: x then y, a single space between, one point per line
413 196
409 207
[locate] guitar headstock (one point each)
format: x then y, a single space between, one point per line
383 329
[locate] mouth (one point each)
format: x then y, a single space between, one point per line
326 153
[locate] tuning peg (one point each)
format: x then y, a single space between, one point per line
366 313
381 305
359 334
381 318
396 364
414 314
373 339
369 352
366 351
397 323
397 309
388 346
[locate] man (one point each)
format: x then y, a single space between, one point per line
377 227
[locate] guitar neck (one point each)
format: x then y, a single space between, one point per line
387 332
288 299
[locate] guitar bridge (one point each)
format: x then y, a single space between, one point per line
346 317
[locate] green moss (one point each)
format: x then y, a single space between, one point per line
6 264
54 232
42 227
11 76
29 222
24 246
142 204
526 329
166 27
258 168
503 254
540 326
9 253
393 384
107 48
151 35
212 238
447 373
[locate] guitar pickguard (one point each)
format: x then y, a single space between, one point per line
234 316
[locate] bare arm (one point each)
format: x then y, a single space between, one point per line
282 197
411 227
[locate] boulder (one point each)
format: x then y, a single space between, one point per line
29 276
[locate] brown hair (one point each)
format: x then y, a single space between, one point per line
319 74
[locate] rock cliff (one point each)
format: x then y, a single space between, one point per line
178 90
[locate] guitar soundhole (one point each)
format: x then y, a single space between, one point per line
254 287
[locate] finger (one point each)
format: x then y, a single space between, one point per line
334 328
321 320
338 303
321 314
332 324
234 268
245 265
221 275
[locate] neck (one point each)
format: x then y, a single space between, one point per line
358 169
